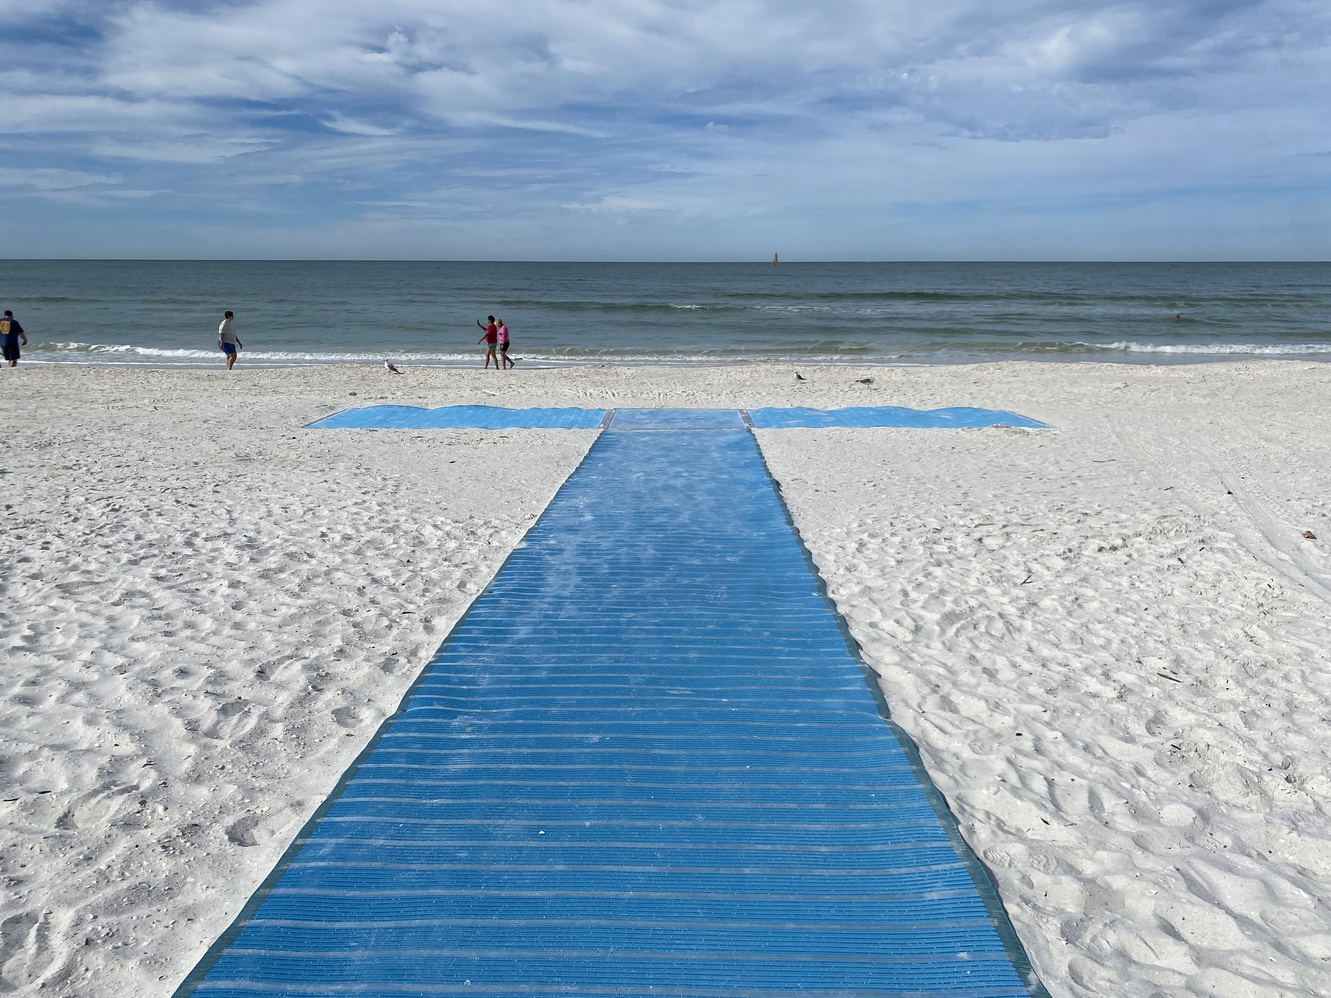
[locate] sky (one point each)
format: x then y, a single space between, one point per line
666 129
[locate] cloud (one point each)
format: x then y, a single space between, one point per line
634 109
70 187
51 179
90 113
341 123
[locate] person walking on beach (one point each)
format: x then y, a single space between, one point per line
11 333
503 345
491 338
228 340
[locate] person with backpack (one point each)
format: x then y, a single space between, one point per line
11 333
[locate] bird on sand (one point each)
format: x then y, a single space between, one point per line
389 364
798 376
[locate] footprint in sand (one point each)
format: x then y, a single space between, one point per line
233 719
256 829
26 951
245 831
347 717
95 809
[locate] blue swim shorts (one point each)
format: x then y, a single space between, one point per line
228 348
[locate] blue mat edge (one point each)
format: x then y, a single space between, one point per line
600 414
1001 417
980 874
247 911
1018 421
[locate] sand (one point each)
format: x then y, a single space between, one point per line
1109 639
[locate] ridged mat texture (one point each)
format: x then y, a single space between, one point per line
448 417
488 417
956 417
646 762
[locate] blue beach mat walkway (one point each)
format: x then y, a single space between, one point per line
477 417
646 762
489 417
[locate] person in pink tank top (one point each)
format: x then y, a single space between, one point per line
503 346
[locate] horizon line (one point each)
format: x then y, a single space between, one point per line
671 263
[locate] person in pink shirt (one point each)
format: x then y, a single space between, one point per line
503 346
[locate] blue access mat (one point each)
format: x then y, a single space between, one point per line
680 419
646 762
489 417
477 417
887 415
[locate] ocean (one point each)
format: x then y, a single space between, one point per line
165 313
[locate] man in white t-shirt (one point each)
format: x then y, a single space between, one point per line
228 340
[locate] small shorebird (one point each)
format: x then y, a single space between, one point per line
389 364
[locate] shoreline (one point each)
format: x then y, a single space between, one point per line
1144 358
1108 639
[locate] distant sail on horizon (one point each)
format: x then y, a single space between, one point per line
773 259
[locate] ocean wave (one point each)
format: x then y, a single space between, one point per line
128 352
125 354
738 349
1212 349
574 306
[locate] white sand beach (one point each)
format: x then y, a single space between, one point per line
1110 639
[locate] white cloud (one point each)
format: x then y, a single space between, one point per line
90 112
628 109
196 149
51 179
70 187
351 126
17 11
453 60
